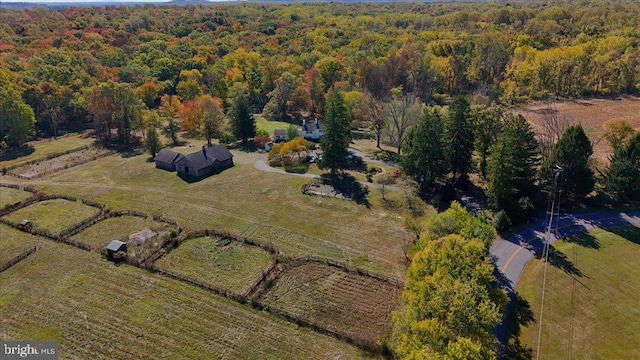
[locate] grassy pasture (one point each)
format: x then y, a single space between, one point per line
59 162
592 306
53 215
13 242
10 196
229 265
101 233
358 305
41 149
269 126
97 310
243 200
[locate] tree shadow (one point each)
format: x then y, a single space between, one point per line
519 314
347 186
559 259
585 240
12 154
128 153
356 163
631 233
248 147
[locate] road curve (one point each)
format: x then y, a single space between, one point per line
512 254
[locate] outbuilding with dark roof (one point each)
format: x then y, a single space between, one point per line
166 159
205 162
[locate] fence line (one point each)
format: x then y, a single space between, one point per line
48 157
66 166
18 258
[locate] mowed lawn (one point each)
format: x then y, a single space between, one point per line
269 126
41 149
228 265
53 215
357 305
120 227
593 313
269 207
97 310
10 196
14 242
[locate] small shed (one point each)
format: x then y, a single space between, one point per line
279 135
25 223
114 247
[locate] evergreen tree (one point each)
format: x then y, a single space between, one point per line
459 138
335 141
512 165
424 156
243 125
152 143
571 153
622 177
487 123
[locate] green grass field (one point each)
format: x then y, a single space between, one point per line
13 242
266 206
53 215
101 233
229 265
97 310
269 126
357 305
45 147
9 196
592 297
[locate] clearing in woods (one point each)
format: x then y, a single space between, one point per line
592 297
227 264
98 310
357 305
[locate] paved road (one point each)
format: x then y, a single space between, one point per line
513 253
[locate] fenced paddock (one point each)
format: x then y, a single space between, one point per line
10 196
224 263
38 168
54 215
99 234
330 297
14 242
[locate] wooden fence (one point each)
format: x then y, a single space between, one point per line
18 258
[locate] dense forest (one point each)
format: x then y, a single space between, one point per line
76 66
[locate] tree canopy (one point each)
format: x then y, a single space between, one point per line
335 141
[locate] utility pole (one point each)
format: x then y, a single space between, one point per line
545 252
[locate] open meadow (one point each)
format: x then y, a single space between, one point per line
41 149
98 310
592 298
53 215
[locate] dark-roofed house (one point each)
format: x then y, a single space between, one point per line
279 135
166 159
115 246
207 161
313 131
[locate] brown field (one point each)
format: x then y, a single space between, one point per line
14 242
58 163
360 306
230 265
53 215
40 149
590 113
97 310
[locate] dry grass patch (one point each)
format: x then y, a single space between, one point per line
97 310
226 264
13 242
59 163
120 227
53 215
357 305
592 298
43 148
10 196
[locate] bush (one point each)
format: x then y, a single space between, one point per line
227 138
501 221
527 210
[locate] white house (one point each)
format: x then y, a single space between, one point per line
312 131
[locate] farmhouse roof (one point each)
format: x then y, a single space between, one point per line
208 155
167 156
279 132
310 127
115 245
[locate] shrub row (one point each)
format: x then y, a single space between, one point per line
18 258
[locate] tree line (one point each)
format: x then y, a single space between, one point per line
385 58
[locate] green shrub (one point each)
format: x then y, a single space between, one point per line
501 221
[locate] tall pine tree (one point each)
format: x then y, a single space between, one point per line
335 141
622 177
243 125
571 153
459 138
424 155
